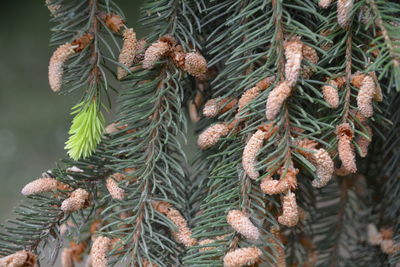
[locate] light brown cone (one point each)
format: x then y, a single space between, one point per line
76 201
345 148
325 168
128 52
330 93
276 99
210 136
154 53
344 8
115 191
249 157
365 96
242 224
242 257
98 253
57 60
294 56
195 65
290 214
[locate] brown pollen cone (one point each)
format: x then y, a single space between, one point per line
345 135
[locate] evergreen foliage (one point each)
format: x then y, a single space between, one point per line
304 141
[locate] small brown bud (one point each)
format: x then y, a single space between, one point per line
242 224
344 9
114 22
242 257
77 250
290 215
330 93
276 99
76 201
365 96
195 65
82 42
212 135
294 55
387 233
324 3
266 82
357 79
340 81
128 52
98 253
154 53
57 60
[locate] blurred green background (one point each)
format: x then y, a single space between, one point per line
34 120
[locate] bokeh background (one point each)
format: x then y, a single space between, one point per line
34 120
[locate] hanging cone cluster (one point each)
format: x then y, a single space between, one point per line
167 47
